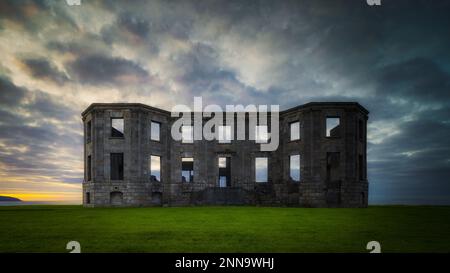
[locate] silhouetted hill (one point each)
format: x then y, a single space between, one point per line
9 198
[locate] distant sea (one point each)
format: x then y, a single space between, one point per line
25 203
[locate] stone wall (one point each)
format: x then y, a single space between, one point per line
331 175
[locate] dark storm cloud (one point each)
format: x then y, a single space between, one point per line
89 44
21 10
23 134
138 26
64 47
413 164
139 29
8 117
41 68
417 79
99 69
47 106
40 104
169 20
201 72
42 156
33 14
128 23
10 94
421 139
42 140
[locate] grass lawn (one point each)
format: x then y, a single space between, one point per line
224 229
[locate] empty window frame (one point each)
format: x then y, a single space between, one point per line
117 127
224 172
294 167
88 197
295 130
333 127
224 133
187 134
222 162
116 166
88 131
89 168
155 131
187 169
155 168
261 169
222 181
261 134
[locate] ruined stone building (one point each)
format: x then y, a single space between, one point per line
131 159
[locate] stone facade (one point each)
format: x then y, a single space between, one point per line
333 168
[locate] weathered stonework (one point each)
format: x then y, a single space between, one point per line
333 169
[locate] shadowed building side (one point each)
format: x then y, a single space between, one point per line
132 160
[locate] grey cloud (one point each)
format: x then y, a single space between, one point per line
8 117
200 68
413 164
88 44
33 14
418 79
138 26
42 141
147 31
41 68
17 9
10 94
41 156
99 69
64 47
39 103
45 105
155 17
22 134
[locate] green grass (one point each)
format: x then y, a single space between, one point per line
224 229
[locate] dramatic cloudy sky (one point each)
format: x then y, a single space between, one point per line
394 59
